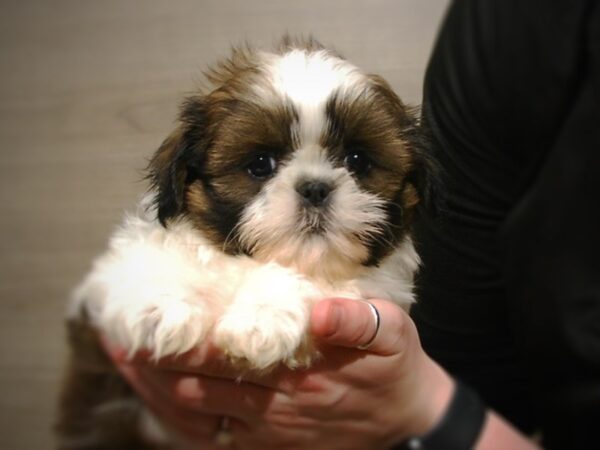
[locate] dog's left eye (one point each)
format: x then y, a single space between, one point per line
263 166
357 162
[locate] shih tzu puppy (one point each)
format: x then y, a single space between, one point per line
294 177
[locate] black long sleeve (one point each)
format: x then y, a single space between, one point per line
509 293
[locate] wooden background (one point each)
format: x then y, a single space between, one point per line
88 89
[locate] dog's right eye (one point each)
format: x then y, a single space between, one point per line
262 167
357 162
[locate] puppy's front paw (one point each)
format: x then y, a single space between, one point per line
166 326
268 320
261 337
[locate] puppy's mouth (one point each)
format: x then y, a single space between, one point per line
313 221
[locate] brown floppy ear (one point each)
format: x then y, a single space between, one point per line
425 173
178 160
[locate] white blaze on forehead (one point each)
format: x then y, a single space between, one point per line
309 79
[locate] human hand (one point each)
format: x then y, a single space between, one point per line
350 399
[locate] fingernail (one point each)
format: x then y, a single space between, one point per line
116 353
119 355
334 319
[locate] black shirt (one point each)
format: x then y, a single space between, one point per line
509 292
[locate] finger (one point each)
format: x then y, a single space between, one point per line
192 429
192 424
206 359
351 323
216 396
206 356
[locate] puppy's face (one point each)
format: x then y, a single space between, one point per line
295 157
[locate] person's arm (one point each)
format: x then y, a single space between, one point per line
498 434
352 399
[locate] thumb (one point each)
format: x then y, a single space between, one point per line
351 323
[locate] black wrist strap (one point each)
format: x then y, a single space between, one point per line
458 429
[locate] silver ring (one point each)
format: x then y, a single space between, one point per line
377 318
224 438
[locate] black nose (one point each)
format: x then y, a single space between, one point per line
314 192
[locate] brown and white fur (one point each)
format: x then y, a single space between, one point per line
293 177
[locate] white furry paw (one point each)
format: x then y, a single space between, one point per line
268 320
260 337
163 327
